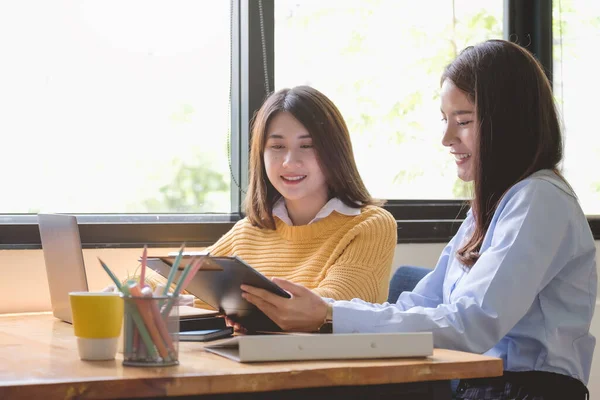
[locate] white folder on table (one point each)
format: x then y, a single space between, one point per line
252 348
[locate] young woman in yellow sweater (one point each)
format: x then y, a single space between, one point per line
309 218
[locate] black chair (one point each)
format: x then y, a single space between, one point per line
405 279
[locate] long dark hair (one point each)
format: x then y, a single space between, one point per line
519 131
330 139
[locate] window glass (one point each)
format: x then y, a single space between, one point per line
380 62
115 106
576 32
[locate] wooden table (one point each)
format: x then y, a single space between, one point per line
39 359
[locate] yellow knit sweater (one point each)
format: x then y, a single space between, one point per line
341 257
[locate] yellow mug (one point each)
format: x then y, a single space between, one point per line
97 322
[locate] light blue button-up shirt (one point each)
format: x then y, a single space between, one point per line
529 298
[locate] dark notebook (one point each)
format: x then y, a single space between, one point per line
201 324
205 335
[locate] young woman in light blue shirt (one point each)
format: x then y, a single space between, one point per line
518 281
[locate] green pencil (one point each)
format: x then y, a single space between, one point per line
131 309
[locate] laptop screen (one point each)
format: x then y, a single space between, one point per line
65 268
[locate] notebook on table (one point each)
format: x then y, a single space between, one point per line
256 348
195 319
189 312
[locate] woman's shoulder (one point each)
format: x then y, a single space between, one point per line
546 192
240 231
245 227
377 213
544 184
244 224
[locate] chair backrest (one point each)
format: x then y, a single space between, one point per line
405 279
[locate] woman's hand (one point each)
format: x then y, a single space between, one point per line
303 312
236 327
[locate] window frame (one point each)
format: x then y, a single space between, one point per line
419 221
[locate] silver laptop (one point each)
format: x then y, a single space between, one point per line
64 261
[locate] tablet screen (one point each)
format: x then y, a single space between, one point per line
217 283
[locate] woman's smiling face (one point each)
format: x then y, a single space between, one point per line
291 162
460 128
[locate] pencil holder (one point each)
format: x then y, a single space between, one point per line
151 331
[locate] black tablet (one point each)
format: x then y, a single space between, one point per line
217 283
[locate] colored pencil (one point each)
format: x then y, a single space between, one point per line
143 268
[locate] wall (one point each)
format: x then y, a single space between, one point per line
24 285
27 288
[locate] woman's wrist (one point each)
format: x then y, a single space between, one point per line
329 315
327 325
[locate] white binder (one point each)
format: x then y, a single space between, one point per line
252 348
